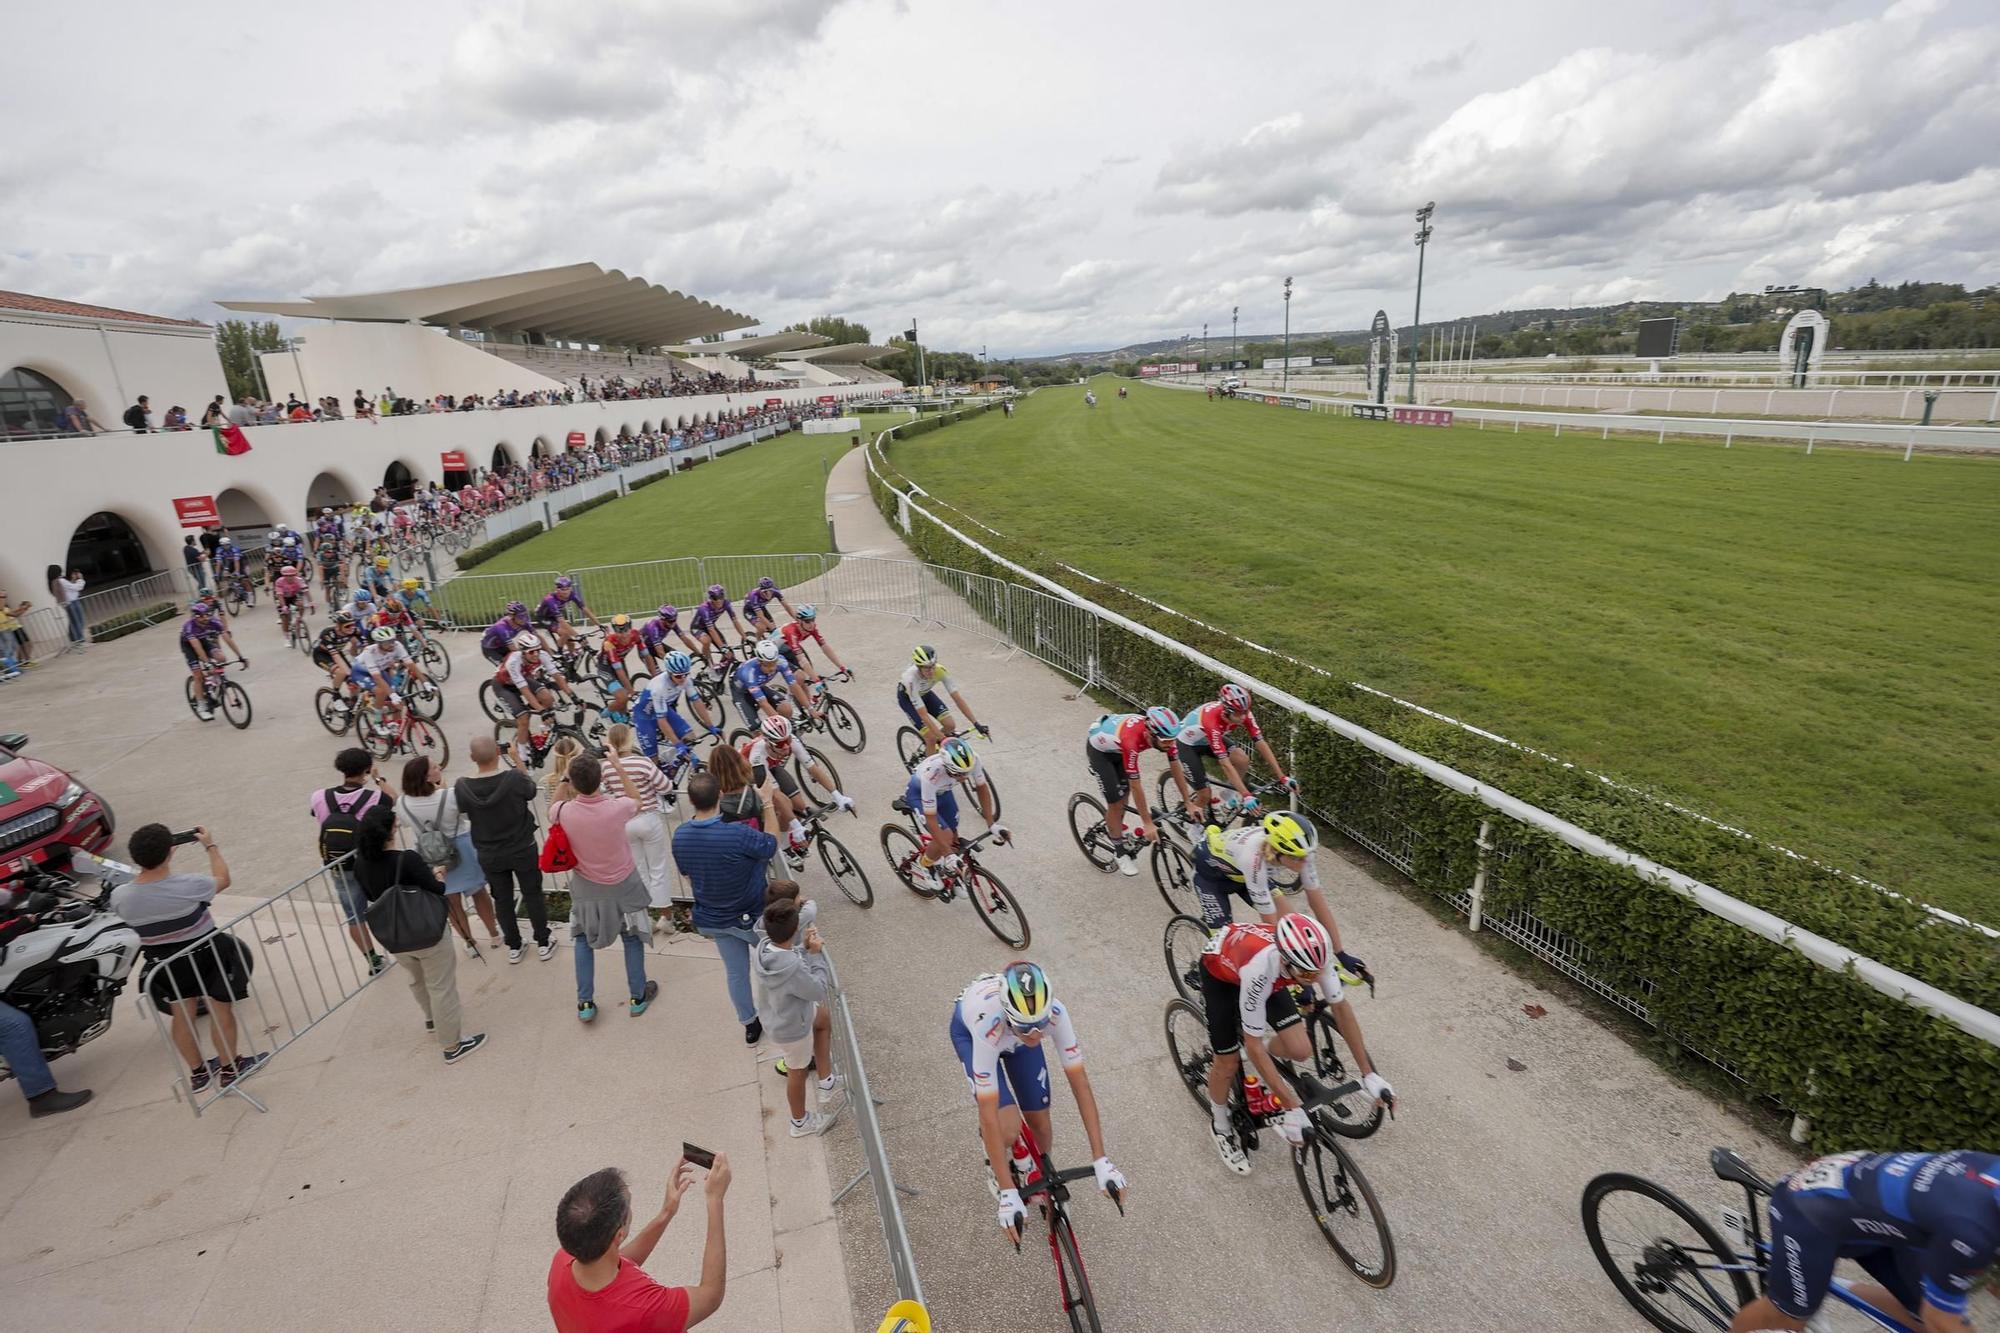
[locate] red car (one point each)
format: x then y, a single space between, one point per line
40 807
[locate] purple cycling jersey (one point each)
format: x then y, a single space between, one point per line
760 597
654 633
499 636
707 616
551 607
196 627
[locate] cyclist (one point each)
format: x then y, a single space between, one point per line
757 605
1264 865
552 612
361 605
706 623
762 686
654 633
917 696
1244 988
326 531
329 553
333 652
379 579
769 753
931 795
620 641
202 633
498 639
384 660
998 1026
526 683
229 565
290 590
1205 732
1923 1225
414 597
662 699
792 643
1112 747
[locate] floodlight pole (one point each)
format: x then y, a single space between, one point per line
1204 350
1416 319
1285 374
1232 336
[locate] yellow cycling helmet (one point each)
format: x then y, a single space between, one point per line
381 562
411 585
906 1317
1289 834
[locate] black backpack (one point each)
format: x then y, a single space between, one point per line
340 831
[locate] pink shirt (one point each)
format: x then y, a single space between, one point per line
596 828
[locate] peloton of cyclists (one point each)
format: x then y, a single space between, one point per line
1205 732
931 795
1112 747
917 695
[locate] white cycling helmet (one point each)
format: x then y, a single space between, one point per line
383 634
767 651
527 641
777 729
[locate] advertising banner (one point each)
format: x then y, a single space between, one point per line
196 511
1148 372
774 402
1369 411
453 461
1324 361
577 439
828 398
1422 416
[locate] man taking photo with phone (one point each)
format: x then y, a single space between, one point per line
596 1284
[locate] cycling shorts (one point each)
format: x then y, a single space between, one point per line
1194 762
1109 769
511 699
792 657
1223 1000
787 784
498 657
1024 1071
607 671
947 803
1215 887
932 705
187 651
1802 1258
323 658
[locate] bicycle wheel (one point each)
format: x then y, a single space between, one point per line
426 700
909 747
587 724
1086 825
1185 942
489 702
1355 1115
1187 1044
1173 873
436 662
232 602
902 848
846 871
993 786
1663 1257
997 907
844 725
1077 1301
335 719
234 704
736 737
801 761
426 738
1343 1205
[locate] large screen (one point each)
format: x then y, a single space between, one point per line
1658 337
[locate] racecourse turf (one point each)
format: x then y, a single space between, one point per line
1803 646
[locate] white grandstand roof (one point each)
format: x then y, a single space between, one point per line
844 353
582 302
768 344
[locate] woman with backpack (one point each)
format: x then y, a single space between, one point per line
441 834
406 912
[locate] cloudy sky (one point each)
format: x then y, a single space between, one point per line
1028 176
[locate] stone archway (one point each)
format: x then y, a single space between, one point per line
107 548
400 480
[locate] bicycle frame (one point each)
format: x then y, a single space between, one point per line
1053 1188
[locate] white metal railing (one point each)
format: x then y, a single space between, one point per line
1826 953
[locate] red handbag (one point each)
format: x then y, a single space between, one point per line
557 854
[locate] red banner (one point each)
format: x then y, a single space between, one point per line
576 439
1148 372
453 460
774 402
1422 416
827 398
196 511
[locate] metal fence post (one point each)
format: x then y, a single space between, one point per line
1478 905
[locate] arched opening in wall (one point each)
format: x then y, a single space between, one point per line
106 550
645 428
33 404
540 449
503 457
602 435
681 422
245 517
399 481
327 491
456 477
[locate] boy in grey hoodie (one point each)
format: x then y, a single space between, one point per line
793 979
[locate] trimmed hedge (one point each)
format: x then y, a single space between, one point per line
650 478
585 506
473 556
1868 1070
131 622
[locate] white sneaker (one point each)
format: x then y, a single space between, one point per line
927 877
205 714
1128 865
833 1089
1231 1151
815 1123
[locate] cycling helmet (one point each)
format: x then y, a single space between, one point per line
1162 722
1288 834
197 608
517 609
679 664
1303 944
383 634
924 655
565 582
767 583
289 571
273 536
411 585
1235 699
381 562
807 613
716 592
958 756
527 641
343 617
621 621
777 729
363 595
326 513
905 1317
1024 992
291 541
767 651
669 613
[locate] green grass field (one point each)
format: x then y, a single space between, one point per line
1801 646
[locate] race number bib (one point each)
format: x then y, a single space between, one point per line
1826 1173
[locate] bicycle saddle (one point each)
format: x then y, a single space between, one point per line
1729 1166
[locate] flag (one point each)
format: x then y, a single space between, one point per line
229 439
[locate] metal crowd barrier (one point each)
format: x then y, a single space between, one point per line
289 961
874 1156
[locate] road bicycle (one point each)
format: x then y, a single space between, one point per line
238 591
991 899
400 730
839 862
835 716
1337 1194
221 696
1672 1265
1049 1192
910 749
430 654
571 716
298 634
1226 809
1173 871
1356 1114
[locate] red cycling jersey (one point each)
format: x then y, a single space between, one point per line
617 645
795 634
1236 948
1211 724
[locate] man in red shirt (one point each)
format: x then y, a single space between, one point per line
610 1292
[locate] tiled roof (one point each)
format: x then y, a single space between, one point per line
45 305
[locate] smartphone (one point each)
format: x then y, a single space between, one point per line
183 839
701 1157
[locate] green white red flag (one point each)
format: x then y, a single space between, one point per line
229 439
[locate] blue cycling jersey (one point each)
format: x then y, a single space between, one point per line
1943 1209
750 679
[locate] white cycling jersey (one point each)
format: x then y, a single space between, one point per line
760 754
521 672
665 694
1244 854
982 1008
915 687
381 659
932 776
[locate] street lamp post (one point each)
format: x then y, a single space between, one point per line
1416 319
1285 380
1202 355
1232 336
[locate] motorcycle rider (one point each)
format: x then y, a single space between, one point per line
19 1045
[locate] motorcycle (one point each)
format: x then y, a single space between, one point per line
66 973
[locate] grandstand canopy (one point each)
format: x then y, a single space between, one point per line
768 344
844 353
581 302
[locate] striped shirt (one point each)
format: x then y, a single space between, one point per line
645 775
173 910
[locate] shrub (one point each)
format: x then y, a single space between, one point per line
131 622
652 477
1866 1068
585 506
473 556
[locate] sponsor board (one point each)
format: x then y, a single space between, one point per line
453 461
1148 372
1422 416
196 511
577 439
1369 411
